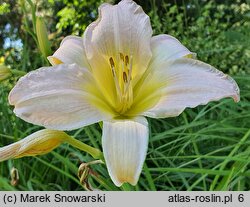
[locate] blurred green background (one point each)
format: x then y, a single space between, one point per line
206 148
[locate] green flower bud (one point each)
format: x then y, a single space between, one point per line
42 37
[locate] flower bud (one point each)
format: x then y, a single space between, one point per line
42 37
4 72
38 143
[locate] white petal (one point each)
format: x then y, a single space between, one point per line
122 28
125 145
55 97
189 83
165 47
71 50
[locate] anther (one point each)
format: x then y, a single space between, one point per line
126 60
122 56
125 78
111 61
112 64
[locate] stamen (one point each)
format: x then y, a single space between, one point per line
129 74
118 89
126 60
122 56
112 63
113 71
122 77
130 68
125 78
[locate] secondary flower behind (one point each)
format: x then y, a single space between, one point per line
118 73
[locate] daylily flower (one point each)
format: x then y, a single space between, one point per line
118 73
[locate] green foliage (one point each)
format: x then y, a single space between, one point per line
75 16
4 8
215 30
206 148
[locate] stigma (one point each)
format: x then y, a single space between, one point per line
121 69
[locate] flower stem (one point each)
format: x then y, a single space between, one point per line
95 153
18 72
127 187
